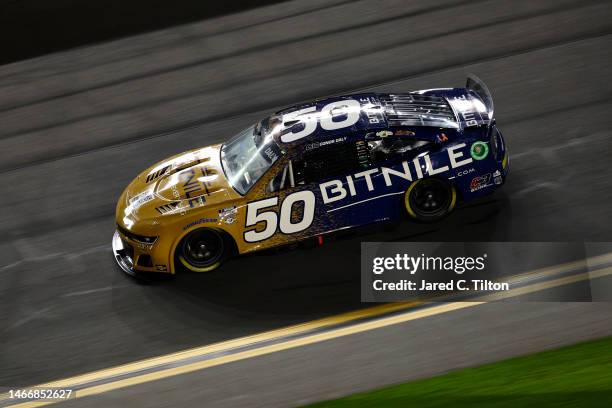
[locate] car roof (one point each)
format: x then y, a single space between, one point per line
319 119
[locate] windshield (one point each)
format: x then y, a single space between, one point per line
250 154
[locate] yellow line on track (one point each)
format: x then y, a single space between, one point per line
315 338
583 264
226 345
307 339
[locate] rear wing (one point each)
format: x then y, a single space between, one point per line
476 85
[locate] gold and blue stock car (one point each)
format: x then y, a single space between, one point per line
310 170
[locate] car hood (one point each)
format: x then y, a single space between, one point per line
181 184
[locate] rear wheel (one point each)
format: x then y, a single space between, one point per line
202 250
430 199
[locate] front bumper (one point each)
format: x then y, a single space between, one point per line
122 255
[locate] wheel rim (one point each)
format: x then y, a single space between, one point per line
203 248
430 197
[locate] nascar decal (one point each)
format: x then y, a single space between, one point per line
261 212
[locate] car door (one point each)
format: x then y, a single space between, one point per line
357 194
324 186
327 168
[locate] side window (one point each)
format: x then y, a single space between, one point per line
388 145
321 161
285 178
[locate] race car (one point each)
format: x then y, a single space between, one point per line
310 170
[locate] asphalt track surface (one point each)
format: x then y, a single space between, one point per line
77 126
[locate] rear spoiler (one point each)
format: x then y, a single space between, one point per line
476 85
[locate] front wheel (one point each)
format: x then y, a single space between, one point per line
430 199
203 250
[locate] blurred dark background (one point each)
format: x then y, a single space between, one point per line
30 28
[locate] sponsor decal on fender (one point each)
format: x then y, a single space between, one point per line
479 150
138 200
480 182
228 215
497 179
198 222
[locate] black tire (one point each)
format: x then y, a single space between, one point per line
430 199
203 250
